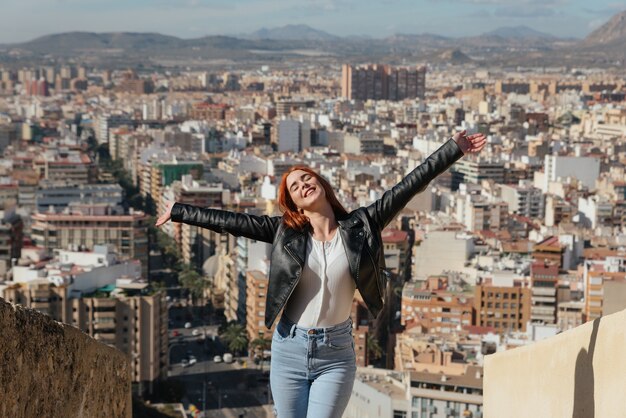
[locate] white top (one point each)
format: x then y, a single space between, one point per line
323 297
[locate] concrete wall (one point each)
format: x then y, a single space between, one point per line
579 374
49 369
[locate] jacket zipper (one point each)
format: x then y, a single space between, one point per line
376 273
295 284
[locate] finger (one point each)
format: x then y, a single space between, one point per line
477 147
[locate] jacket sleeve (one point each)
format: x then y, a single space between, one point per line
394 200
261 228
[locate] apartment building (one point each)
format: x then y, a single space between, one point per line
256 294
106 299
544 281
380 82
11 235
476 170
93 225
523 199
381 393
504 308
434 311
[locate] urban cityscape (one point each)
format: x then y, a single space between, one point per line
520 244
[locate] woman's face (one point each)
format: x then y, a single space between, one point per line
305 190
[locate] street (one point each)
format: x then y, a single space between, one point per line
221 389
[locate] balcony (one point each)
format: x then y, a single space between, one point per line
544 291
578 374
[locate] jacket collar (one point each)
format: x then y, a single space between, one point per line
296 240
349 221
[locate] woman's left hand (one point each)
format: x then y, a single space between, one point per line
470 143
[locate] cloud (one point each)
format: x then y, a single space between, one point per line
480 14
525 12
609 10
328 5
513 2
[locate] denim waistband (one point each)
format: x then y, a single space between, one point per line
294 329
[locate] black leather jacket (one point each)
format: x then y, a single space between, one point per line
360 231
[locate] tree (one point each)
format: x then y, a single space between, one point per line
258 346
374 351
192 281
158 287
235 337
171 253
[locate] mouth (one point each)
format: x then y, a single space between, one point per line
309 191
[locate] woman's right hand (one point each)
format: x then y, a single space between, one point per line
166 216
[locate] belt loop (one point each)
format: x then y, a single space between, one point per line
292 331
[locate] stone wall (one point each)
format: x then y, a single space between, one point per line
580 373
49 369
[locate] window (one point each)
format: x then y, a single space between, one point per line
399 414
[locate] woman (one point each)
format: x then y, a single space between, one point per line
321 253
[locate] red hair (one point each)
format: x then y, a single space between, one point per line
291 216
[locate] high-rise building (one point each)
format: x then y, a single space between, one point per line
106 299
92 226
605 286
585 169
256 295
393 394
11 226
435 311
474 171
379 82
544 280
289 136
504 308
59 196
197 244
479 214
524 199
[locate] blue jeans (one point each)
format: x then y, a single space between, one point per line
312 370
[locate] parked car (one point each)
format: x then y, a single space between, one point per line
217 359
228 358
175 333
195 332
192 360
185 363
187 325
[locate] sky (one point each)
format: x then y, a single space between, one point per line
23 20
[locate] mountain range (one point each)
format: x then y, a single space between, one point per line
518 45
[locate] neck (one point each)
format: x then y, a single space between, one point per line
323 222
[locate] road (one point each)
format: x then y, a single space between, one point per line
231 389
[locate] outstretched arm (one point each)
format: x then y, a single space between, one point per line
394 200
261 228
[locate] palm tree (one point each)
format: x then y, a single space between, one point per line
374 351
260 344
194 282
235 337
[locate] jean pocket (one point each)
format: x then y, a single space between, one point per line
281 333
340 341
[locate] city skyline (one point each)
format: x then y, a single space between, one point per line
196 18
